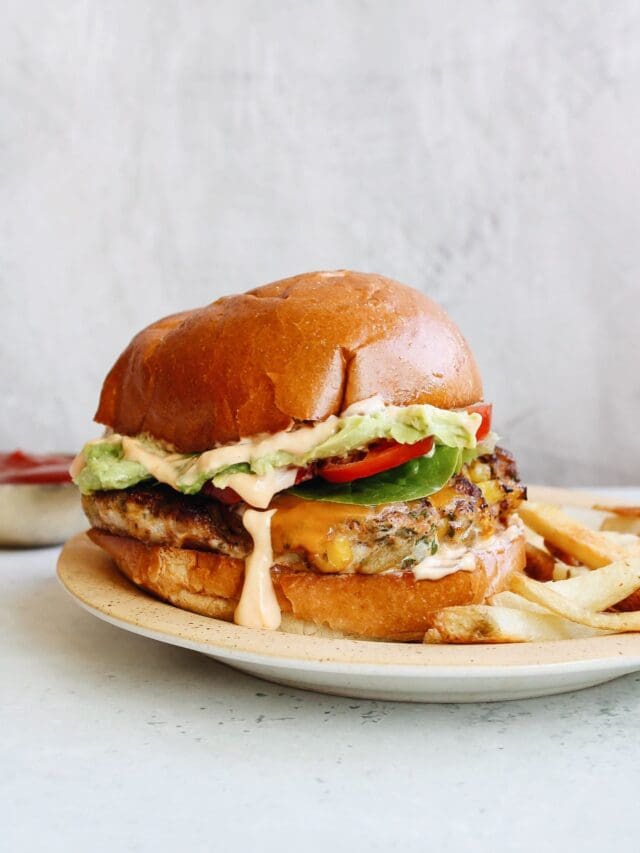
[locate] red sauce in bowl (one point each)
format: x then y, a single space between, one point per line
21 467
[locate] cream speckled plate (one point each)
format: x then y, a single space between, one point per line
411 673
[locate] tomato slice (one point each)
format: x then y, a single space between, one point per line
226 496
485 411
20 467
378 459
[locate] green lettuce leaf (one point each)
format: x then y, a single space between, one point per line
418 478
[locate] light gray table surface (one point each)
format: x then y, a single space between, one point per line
113 742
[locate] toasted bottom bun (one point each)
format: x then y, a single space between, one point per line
392 606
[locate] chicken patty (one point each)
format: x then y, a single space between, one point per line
160 515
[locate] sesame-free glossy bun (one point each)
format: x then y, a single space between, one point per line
300 349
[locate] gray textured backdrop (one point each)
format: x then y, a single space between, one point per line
156 155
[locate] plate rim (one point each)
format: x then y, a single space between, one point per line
94 582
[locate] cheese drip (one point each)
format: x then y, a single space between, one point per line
258 606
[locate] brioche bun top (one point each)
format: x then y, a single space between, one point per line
300 349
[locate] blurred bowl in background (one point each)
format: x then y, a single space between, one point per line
39 505
32 515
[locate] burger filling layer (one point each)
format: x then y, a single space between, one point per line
326 537
375 490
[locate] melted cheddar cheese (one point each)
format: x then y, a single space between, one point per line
315 529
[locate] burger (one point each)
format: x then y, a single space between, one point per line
313 456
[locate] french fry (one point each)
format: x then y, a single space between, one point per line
632 543
590 547
432 637
563 572
578 498
622 511
629 541
538 607
561 555
547 595
630 603
622 524
562 497
602 589
482 623
506 598
540 564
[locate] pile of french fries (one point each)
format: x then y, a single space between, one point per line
579 582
